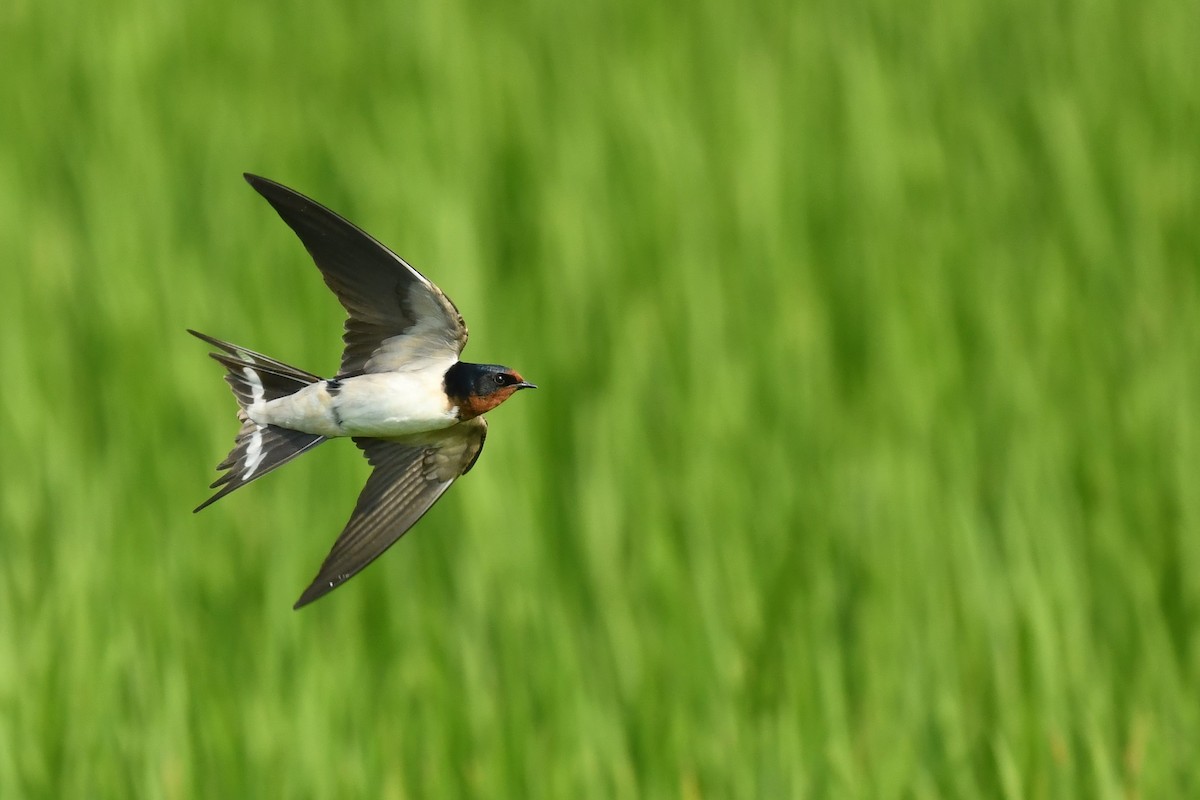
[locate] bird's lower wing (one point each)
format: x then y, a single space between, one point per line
409 476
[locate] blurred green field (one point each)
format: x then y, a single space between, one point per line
865 459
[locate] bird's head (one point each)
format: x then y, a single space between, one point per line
478 388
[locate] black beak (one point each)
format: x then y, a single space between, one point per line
526 385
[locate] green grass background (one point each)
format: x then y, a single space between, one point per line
865 459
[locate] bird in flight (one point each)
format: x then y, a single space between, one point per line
401 393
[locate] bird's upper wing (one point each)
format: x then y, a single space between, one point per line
410 475
396 315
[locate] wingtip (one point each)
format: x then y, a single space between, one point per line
263 185
315 591
278 195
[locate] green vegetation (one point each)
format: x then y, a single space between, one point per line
865 462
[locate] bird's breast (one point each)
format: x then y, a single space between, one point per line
378 405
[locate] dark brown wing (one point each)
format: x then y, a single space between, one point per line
409 477
396 315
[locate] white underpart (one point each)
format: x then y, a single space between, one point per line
254 451
382 404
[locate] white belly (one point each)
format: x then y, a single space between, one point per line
381 405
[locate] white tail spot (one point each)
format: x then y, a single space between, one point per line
256 387
254 452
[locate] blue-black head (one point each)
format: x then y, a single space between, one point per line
478 388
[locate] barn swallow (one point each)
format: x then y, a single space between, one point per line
401 392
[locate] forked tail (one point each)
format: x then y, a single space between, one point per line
258 449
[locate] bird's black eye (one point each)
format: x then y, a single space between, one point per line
501 379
